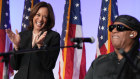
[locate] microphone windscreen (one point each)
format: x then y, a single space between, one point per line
92 40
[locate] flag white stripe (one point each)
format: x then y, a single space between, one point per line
98 50
106 44
61 63
77 54
7 43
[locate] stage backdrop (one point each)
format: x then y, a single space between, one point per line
90 10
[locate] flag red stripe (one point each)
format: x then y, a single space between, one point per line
2 49
2 40
70 53
82 65
103 50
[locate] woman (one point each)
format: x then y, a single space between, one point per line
37 65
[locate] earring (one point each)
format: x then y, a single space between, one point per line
131 35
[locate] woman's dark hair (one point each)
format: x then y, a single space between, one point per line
51 18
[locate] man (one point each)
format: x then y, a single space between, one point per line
124 62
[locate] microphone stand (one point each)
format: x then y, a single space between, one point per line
6 55
74 46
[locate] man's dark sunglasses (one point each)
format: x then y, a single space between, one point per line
119 28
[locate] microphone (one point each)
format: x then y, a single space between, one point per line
78 39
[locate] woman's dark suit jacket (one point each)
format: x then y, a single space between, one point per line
37 65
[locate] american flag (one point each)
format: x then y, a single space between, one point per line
72 63
27 8
109 11
5 43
